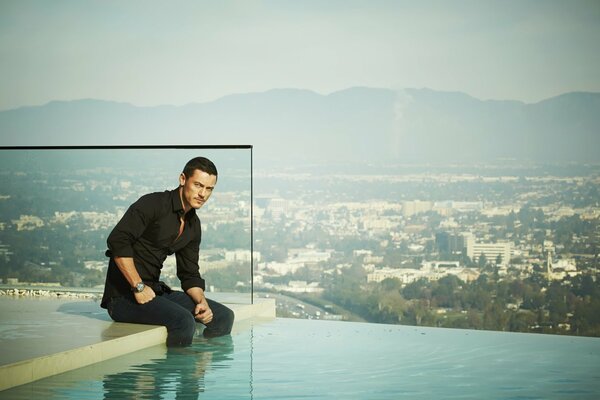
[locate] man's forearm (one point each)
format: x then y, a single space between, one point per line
127 268
197 294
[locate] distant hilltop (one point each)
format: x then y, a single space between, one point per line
363 125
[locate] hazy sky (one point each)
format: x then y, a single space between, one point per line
178 52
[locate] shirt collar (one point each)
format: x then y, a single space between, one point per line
178 207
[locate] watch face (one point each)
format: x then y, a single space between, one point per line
139 287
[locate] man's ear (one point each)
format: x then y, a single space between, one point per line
182 179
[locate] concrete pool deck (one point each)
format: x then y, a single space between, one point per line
45 336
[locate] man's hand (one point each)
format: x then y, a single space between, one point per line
202 312
145 295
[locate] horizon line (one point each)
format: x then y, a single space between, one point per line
288 89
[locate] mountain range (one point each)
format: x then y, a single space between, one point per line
356 125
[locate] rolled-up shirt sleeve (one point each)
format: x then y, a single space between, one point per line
131 227
188 270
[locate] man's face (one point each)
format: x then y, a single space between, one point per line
196 189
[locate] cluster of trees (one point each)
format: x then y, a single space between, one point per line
233 278
531 305
53 254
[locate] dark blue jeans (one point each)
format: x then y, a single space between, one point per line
174 310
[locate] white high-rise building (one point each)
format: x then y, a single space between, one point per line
278 207
491 250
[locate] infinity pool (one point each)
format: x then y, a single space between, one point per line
293 359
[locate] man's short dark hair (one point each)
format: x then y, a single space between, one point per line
201 163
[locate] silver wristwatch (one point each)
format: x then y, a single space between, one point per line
138 288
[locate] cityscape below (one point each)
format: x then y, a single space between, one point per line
498 246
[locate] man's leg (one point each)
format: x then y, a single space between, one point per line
222 316
178 320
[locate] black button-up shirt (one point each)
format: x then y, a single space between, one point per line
148 233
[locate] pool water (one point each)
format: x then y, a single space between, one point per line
293 359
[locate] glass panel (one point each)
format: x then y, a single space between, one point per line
57 207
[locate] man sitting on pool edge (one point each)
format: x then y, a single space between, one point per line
155 226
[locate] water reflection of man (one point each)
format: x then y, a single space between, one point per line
155 226
180 375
